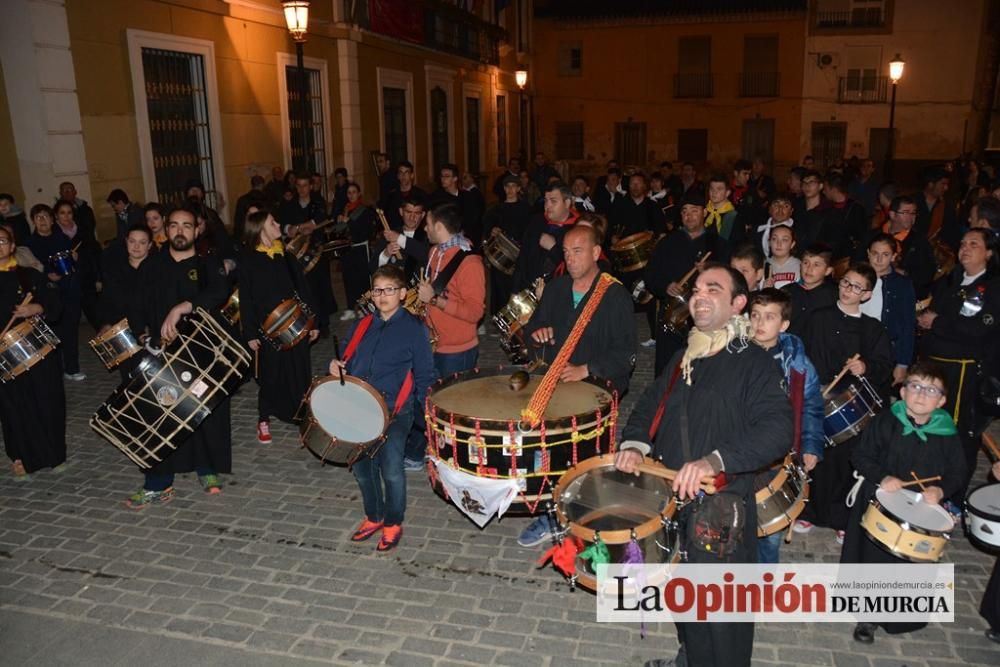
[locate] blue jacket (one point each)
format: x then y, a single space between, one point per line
388 350
795 362
899 316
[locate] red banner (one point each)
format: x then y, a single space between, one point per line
402 19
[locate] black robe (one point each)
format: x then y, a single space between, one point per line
808 222
884 450
33 405
627 218
534 261
118 296
354 260
806 301
735 405
845 228
831 338
512 219
294 213
166 283
608 343
414 253
283 375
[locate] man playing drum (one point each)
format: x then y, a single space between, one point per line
174 283
390 350
720 407
914 437
607 347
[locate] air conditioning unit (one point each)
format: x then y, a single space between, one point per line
827 60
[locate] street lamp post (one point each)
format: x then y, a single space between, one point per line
297 19
895 74
521 78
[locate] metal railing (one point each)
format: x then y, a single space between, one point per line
694 85
868 90
759 84
872 17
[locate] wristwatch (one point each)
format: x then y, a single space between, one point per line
434 300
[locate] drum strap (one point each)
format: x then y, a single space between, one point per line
444 277
352 345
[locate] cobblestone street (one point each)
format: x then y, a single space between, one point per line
265 575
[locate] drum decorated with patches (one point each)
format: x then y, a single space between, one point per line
474 422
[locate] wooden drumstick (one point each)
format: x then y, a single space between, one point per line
841 374
694 269
385 224
13 318
991 446
336 355
707 482
77 246
920 482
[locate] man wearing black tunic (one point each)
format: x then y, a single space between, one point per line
176 282
510 217
405 246
541 247
720 407
33 404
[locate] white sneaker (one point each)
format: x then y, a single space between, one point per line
481 331
802 527
840 537
76 377
347 316
651 342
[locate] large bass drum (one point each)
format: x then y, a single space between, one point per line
171 393
472 420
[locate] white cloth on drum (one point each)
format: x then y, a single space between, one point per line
478 497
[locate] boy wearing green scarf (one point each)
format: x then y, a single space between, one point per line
914 436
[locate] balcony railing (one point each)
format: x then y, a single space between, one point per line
870 90
760 84
872 17
431 23
694 85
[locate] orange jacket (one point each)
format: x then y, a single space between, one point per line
465 302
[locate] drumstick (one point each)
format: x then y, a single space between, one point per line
707 482
385 224
687 276
77 246
27 300
991 446
935 478
336 355
842 373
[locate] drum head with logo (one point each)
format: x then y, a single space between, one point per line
910 506
353 413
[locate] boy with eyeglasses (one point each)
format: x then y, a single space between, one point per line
914 436
391 350
833 335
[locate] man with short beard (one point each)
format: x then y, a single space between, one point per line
175 283
541 247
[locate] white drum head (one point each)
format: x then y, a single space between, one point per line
352 413
910 507
986 500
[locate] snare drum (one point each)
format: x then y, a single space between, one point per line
63 263
115 345
982 517
473 419
780 497
675 316
633 252
170 394
23 346
288 324
501 251
231 309
907 527
342 424
849 411
594 501
510 319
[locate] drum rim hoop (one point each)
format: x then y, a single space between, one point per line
980 513
632 241
317 382
889 514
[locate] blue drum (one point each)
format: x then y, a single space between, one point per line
849 411
63 263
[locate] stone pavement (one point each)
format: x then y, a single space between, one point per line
264 574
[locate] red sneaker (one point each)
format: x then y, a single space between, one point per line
391 535
366 530
264 432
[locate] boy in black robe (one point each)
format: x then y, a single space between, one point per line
814 290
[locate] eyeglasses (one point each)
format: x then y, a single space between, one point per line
928 389
857 289
4 242
388 291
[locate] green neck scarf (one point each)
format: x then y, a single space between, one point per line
940 422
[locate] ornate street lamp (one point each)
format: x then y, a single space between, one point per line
297 20
895 74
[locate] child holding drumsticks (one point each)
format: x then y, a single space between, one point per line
912 440
391 350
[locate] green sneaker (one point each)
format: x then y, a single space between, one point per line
210 483
141 498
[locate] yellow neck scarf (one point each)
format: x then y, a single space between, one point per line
701 344
10 265
276 249
715 214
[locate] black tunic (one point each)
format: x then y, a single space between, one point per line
294 213
608 343
627 218
166 283
284 375
33 405
534 261
512 219
415 253
806 301
845 228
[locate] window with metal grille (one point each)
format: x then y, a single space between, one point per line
439 127
569 140
472 129
570 59
178 123
312 116
501 130
630 143
394 114
692 145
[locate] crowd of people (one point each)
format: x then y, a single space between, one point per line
759 301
